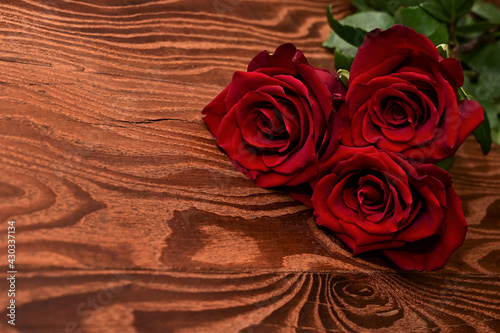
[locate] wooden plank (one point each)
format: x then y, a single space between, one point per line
142 301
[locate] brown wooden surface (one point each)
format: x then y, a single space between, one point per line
128 217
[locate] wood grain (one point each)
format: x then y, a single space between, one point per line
130 219
141 301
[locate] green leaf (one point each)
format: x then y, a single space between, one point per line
483 135
450 6
447 10
351 35
436 10
476 27
487 11
353 28
490 84
382 5
464 9
440 36
369 20
483 131
330 40
334 41
457 8
361 4
391 6
462 29
422 22
344 52
486 63
446 164
407 3
346 39
417 18
489 105
343 61
495 136
492 110
466 20
378 4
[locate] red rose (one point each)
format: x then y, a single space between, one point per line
403 97
278 121
377 200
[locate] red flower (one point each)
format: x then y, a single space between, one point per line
377 200
278 121
403 97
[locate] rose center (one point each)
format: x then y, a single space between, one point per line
271 124
370 194
395 113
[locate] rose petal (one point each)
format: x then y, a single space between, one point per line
453 68
215 111
433 253
379 46
286 56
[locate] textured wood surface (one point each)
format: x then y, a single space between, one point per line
129 218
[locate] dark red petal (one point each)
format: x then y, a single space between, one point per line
244 82
285 56
215 111
381 70
302 193
320 196
472 117
379 46
330 142
358 249
433 253
453 68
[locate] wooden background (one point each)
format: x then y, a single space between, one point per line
129 218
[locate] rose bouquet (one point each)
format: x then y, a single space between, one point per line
360 148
